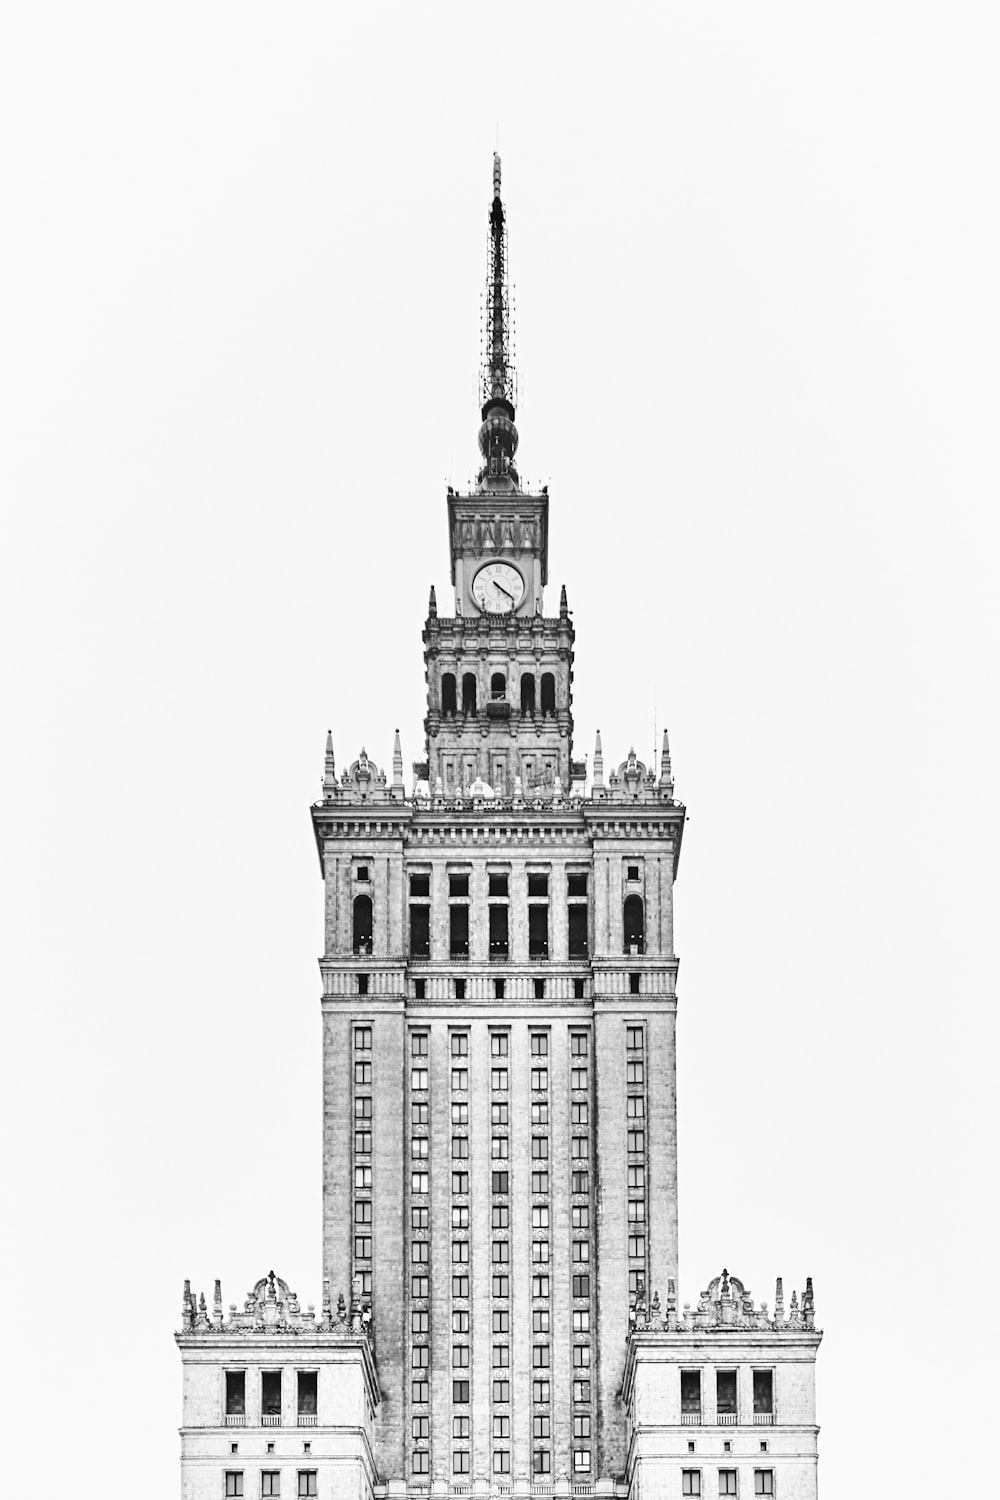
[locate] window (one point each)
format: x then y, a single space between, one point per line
725 1394
501 1427
540 1320
460 1286
501 1356
581 1318
270 1483
538 931
421 1461
420 1389
581 1356
539 1182
636 1245
458 885
578 1182
307 1483
499 1043
460 1252
633 1038
578 1078
362 1039
548 693
420 1182
460 1114
579 1044
538 883
501 1216
499 986
420 1287
460 1080
419 989
581 1459
420 932
420 1252
362 1177
542 1461
501 1286
234 1481
501 1390
307 1382
581 1147
459 1462
580 1217
419 1149
448 693
500 1147
635 1107
419 1078
581 1288
500 1112
578 924
581 1427
727 1481
460 1321
501 1320
461 1427
540 1252
763 1481
634 924
460 1044
637 1141
540 1147
460 1392
458 916
236 1393
527 693
539 989
581 1390
632 873
501 1461
577 989
501 1252
468 693
499 1183
498 883
579 1114
460 1356
540 1112
420 885
540 1391
270 1393
633 984
363 1142
420 1322
637 1177
539 1286
420 1357
540 1079
690 1481
637 1211
460 1216
499 939
361 937
581 1250
690 1393
459 1183
459 989
498 1079
763 1393
634 1073
540 1216
362 984
540 1356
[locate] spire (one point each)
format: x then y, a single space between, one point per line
598 762
666 778
498 435
432 605
329 770
397 768
563 604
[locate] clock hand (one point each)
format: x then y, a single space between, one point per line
503 590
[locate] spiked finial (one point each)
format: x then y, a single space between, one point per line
217 1302
666 778
598 762
432 605
329 770
563 604
397 768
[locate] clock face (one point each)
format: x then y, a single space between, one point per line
498 588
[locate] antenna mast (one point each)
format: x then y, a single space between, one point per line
498 435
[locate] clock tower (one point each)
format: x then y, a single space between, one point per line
499 674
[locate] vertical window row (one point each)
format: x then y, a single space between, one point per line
538 914
420 914
580 1248
635 1110
460 1253
541 1352
500 1248
499 915
420 1253
458 914
361 1205
577 914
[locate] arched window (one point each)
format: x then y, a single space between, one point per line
361 940
449 702
469 693
548 693
498 687
635 925
528 693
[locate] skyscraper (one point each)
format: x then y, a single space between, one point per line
499 1064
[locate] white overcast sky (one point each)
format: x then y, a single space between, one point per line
756 252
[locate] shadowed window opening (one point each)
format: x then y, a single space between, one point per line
725 1393
362 933
499 942
307 1393
528 693
635 926
236 1393
498 687
270 1393
538 932
548 693
449 702
690 1393
468 693
459 916
578 930
420 932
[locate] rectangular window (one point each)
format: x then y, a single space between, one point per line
539 1044
501 1461
363 1109
581 1319
501 1286
460 1080
636 1245
690 1393
581 1356
270 1484
578 925
538 931
419 1078
236 1393
539 1182
581 1250
420 1286
501 1252
633 1038
460 1321
634 1073
540 1356
270 1393
690 1481
637 1178
581 1460
460 1356
540 1391
500 1216
540 1147
363 1074
459 1252
538 883
540 1320
540 1112
763 1393
460 1392
539 989
725 1393
362 1039
540 1252
581 1426
459 989
419 1150
500 1182
501 1390
420 1181
579 1114
307 1392
234 1482
727 1481
498 1080
500 1112
580 1217
461 1427
421 1463
540 1216
499 1044
458 885
460 1216
459 1147
581 1288
637 1210
460 1286
460 1044
307 1483
578 1182
499 940
500 1147
458 917
501 1320
498 883
420 1322
420 1390
576 883
501 1427
579 1044
540 1079
420 885
420 932
541 1461
763 1481
460 1113
539 1286
501 1356
420 1357
578 1078
581 1148
460 1461
637 1141
581 1390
